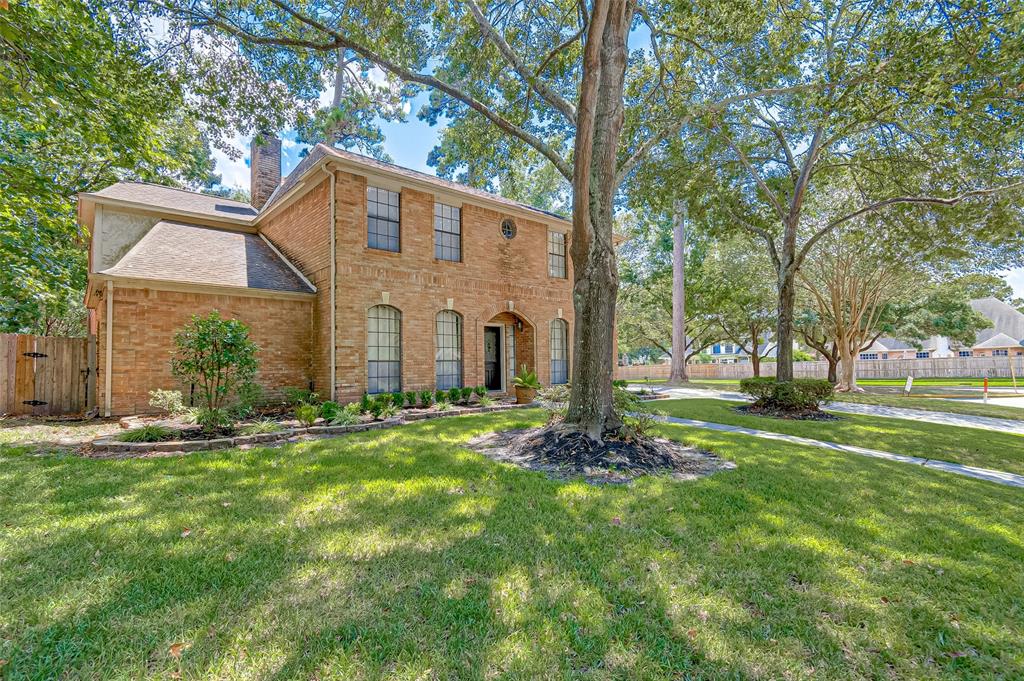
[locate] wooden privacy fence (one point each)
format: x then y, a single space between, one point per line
44 375
946 367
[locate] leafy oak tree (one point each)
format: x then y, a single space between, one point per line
82 105
916 114
554 76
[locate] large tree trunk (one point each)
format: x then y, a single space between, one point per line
595 274
755 361
833 368
677 374
784 329
848 364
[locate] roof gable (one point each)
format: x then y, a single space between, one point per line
193 254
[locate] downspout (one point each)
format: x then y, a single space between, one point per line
109 350
332 216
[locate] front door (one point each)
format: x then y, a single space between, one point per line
492 357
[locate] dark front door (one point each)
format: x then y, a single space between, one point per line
492 358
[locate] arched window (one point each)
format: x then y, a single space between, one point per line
559 351
383 349
448 355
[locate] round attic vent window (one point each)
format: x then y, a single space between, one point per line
508 228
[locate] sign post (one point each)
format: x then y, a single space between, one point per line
908 386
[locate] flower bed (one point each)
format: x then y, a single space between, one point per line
110 445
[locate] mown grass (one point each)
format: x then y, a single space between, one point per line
971 446
932 404
892 397
401 555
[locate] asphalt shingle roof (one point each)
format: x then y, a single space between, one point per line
1005 319
192 254
159 196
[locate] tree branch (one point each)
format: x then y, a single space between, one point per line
538 85
915 200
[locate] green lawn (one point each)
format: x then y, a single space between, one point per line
933 404
891 397
400 555
972 446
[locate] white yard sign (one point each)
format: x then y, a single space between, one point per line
909 385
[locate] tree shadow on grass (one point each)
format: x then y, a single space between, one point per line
399 554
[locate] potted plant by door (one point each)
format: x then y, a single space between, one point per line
526 385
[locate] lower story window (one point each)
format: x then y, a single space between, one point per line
923 355
869 355
559 352
1000 353
384 350
964 353
448 353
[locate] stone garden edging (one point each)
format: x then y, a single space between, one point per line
111 445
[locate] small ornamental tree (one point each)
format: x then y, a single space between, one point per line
216 356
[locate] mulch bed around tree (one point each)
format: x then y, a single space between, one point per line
805 415
563 455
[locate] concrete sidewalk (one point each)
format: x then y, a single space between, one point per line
999 477
938 417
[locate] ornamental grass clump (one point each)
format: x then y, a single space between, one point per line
148 433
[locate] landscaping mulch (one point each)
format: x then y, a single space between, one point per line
805 415
565 455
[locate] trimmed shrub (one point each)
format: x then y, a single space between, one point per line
454 395
397 399
148 433
480 390
307 414
296 396
801 394
212 419
216 355
383 407
329 410
440 395
467 393
426 398
169 401
410 398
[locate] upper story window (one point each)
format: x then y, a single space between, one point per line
382 223
447 232
508 228
556 255
1000 353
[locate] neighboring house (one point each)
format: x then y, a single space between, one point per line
354 276
732 353
1005 338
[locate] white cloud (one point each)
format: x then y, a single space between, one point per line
1016 280
234 172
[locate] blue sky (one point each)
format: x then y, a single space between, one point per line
408 144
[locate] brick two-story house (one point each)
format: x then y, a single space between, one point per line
354 275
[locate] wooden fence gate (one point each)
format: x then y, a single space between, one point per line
45 375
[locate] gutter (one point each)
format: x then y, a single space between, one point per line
332 217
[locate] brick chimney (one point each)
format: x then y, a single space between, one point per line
264 168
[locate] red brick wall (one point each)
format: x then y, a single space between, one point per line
145 321
301 232
493 271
